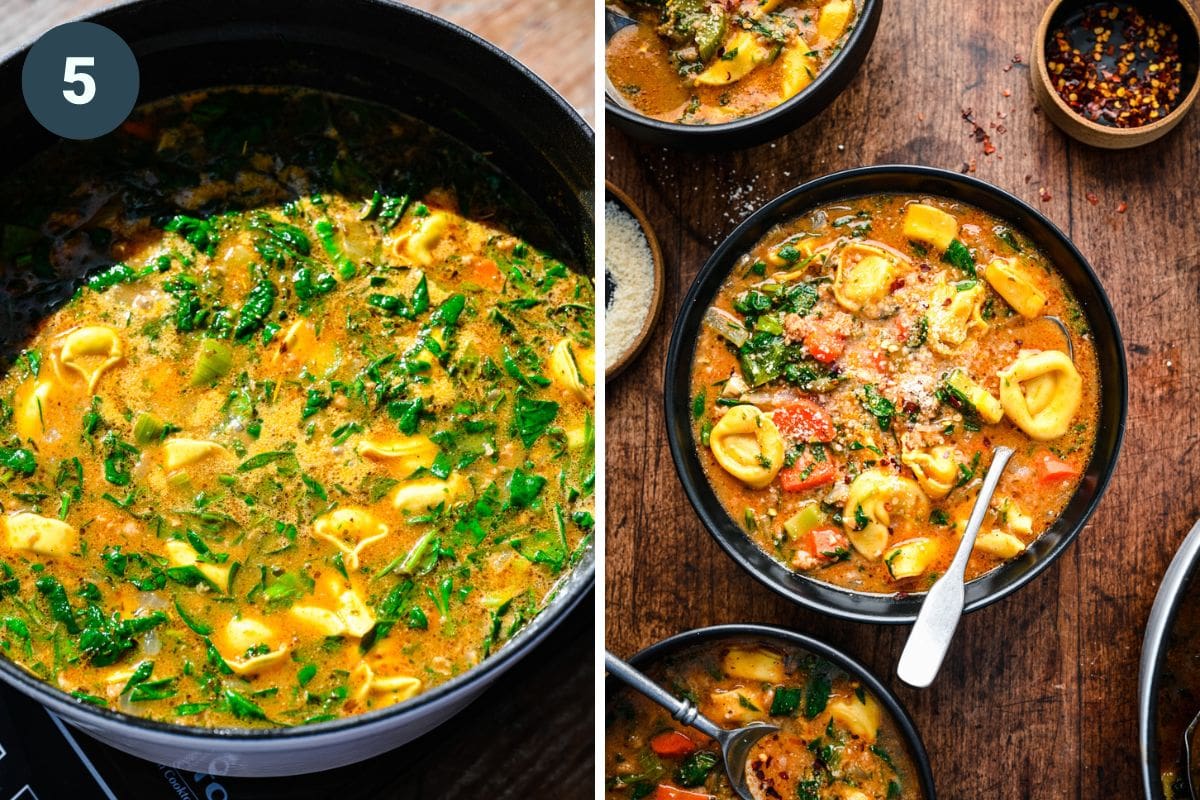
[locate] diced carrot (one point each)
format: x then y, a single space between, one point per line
486 274
665 792
138 128
879 360
1052 469
827 541
805 421
825 346
807 474
672 744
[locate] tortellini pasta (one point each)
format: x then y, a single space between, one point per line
91 351
738 706
179 452
910 558
350 530
426 493
181 554
1041 392
878 500
1010 282
936 469
418 242
989 408
397 688
31 412
861 716
798 69
865 274
835 16
999 544
406 453
743 52
929 225
42 535
758 664
748 446
567 369
955 311
349 615
243 638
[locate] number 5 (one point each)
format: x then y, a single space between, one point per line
87 90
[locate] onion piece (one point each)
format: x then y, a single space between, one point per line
726 326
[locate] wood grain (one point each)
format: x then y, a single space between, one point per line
1037 699
534 728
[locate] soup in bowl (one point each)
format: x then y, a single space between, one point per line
854 361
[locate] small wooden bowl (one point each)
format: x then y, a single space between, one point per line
613 193
1179 15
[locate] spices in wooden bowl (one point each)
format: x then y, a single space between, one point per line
1116 65
1116 74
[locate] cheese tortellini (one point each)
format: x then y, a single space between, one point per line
249 646
929 225
865 274
936 469
570 369
1041 392
911 558
42 535
748 446
1010 282
861 716
417 243
955 311
879 501
91 351
743 52
350 530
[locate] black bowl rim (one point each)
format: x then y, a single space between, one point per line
572 587
845 63
831 599
1179 576
904 722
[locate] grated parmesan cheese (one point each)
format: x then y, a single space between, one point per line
629 279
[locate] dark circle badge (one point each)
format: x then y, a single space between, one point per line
80 80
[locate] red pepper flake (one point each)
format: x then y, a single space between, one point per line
1121 207
1017 59
1116 66
1091 198
1045 194
978 132
1007 93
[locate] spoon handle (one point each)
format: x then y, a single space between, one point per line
682 710
938 619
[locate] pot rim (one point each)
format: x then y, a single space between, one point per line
572 587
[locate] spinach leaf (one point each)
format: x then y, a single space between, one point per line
198 232
255 310
694 769
878 406
523 488
959 255
18 459
786 700
531 418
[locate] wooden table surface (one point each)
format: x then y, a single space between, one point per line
534 729
1038 696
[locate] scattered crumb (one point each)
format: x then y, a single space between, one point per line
1045 194
1122 206
1091 198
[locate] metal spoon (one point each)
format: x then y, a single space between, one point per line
735 744
1189 748
934 629
1066 332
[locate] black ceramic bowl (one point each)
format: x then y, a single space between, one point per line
888 608
1178 588
772 123
904 724
415 63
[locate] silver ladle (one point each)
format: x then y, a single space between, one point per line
1189 749
937 621
735 744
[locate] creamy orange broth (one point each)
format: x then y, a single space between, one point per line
850 449
294 424
835 741
705 63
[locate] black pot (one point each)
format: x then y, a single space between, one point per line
863 606
415 63
1178 584
772 123
904 724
